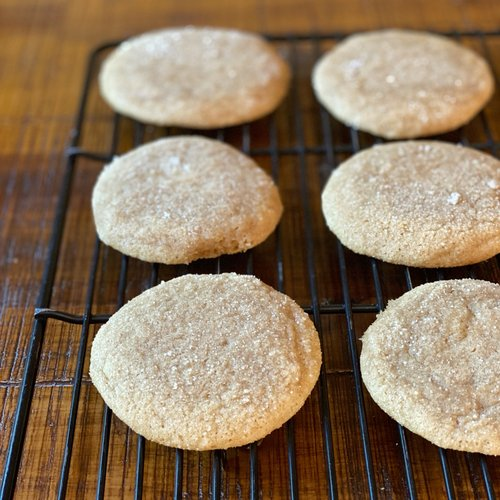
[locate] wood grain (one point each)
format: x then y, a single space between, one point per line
44 46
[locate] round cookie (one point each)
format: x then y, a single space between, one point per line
402 84
184 198
194 77
206 361
431 361
418 203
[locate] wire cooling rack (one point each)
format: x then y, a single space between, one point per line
340 445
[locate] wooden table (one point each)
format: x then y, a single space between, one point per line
44 46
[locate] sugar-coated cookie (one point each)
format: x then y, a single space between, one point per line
184 198
431 361
195 77
206 361
402 84
418 203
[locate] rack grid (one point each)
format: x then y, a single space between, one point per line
340 445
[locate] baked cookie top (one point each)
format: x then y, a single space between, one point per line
418 203
402 84
194 77
184 198
206 361
431 361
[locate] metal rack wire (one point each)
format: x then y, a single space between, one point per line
328 151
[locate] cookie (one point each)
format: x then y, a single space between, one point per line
431 361
418 203
194 77
402 84
206 361
184 198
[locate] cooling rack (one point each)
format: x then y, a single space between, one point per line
340 445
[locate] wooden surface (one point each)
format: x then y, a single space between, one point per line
44 46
